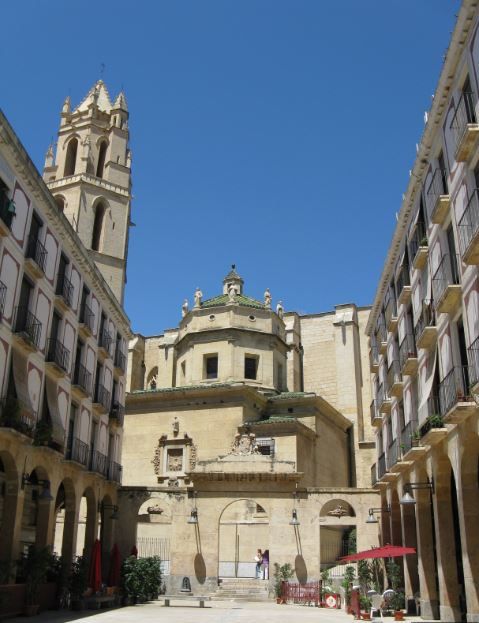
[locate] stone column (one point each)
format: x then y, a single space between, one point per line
411 579
12 521
45 523
70 530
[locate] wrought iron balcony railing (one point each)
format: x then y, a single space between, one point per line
58 354
114 472
381 465
447 274
409 436
105 340
437 188
98 463
418 239
468 225
117 412
403 279
65 289
37 252
464 115
28 325
473 359
427 318
454 388
78 452
82 378
392 455
87 317
102 396
407 349
120 360
14 414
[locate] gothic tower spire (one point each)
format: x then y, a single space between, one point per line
91 176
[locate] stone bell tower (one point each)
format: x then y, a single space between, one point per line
90 178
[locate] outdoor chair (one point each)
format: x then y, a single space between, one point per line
376 603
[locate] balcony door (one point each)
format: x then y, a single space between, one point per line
464 371
23 304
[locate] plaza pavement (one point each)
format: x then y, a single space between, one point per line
189 612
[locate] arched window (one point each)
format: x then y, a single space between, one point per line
60 201
97 227
101 158
70 160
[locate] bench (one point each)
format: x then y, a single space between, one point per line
200 598
101 601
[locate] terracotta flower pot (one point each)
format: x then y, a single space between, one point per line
398 615
366 616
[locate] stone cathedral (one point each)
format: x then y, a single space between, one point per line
247 427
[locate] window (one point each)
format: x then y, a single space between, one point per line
265 446
211 366
71 157
101 158
250 367
62 269
97 227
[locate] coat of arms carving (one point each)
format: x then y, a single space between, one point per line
244 444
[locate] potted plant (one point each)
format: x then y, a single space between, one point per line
415 438
397 603
33 569
43 433
132 582
346 583
282 573
365 604
397 600
78 582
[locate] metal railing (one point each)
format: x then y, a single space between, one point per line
98 463
390 306
28 325
381 332
65 289
374 355
120 360
78 452
82 378
7 208
447 274
454 388
117 412
418 239
407 349
102 396
105 340
468 224
114 471
433 416
427 318
373 409
37 252
381 395
408 435
14 414
403 279
374 475
58 354
473 359
463 116
87 317
381 465
392 454
394 374
436 189
3 294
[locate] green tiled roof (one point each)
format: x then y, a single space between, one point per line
166 390
240 299
291 395
273 419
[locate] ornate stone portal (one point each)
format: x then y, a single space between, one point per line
173 457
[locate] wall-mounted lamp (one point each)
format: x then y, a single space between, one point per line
32 480
408 498
294 519
193 518
371 518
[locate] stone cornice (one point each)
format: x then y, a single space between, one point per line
62 227
91 180
223 330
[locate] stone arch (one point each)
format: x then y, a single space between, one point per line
102 146
65 519
9 490
100 207
152 378
71 157
337 531
87 523
243 527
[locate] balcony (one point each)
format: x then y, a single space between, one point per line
78 452
373 358
86 320
114 472
58 356
408 355
98 463
14 415
383 400
376 417
455 401
7 211
403 285
120 361
473 359
390 312
410 439
117 413
394 378
438 198
446 289
381 465
464 127
392 455
381 335
374 475
35 257
468 230
433 430
82 380
64 291
105 342
425 330
418 247
102 399
28 328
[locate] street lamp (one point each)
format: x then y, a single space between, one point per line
29 479
193 518
408 498
294 516
371 518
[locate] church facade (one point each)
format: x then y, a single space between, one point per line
246 428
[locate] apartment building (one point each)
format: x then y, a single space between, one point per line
63 334
424 349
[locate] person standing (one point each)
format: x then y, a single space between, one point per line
259 561
265 565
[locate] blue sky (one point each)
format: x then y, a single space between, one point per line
274 134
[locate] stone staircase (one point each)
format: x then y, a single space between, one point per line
247 589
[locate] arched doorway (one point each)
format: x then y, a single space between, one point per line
36 509
243 528
65 520
337 536
87 523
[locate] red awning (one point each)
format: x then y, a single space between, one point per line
94 577
387 551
